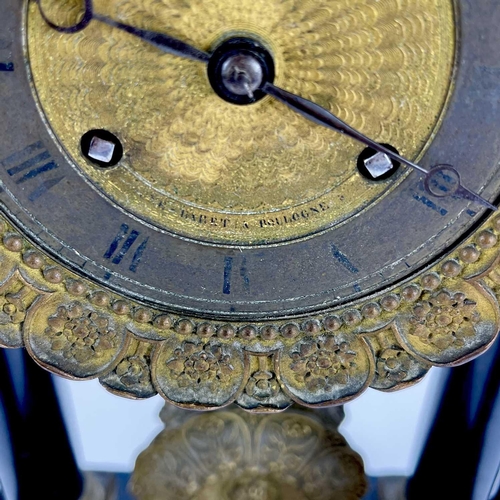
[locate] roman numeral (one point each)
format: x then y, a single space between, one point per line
343 260
126 241
5 48
6 66
228 271
228 274
28 164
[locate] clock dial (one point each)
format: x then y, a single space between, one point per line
134 171
184 232
204 168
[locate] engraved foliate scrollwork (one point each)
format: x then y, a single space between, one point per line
219 161
231 454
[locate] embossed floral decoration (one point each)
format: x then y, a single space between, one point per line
198 364
262 385
12 306
321 364
445 320
133 371
393 364
80 333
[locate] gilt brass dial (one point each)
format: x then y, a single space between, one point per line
212 171
250 210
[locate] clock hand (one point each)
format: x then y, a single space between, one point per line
440 181
161 41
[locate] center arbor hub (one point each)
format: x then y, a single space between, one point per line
238 68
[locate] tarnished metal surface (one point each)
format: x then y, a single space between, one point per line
385 67
96 291
446 316
231 454
65 213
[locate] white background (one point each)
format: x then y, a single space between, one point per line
387 429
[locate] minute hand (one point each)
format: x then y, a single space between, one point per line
321 116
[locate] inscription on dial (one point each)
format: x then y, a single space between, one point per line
30 163
223 174
422 198
287 218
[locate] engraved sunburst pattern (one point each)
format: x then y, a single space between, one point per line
384 67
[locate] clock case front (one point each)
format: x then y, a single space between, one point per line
92 291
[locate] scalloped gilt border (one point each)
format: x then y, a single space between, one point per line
446 316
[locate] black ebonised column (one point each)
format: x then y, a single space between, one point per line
461 459
44 462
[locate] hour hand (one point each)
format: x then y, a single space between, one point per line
161 41
443 180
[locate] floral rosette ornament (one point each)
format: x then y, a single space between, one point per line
193 374
80 334
393 365
322 364
200 365
262 385
444 320
133 371
12 308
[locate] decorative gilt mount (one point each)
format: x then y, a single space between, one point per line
446 316
231 454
